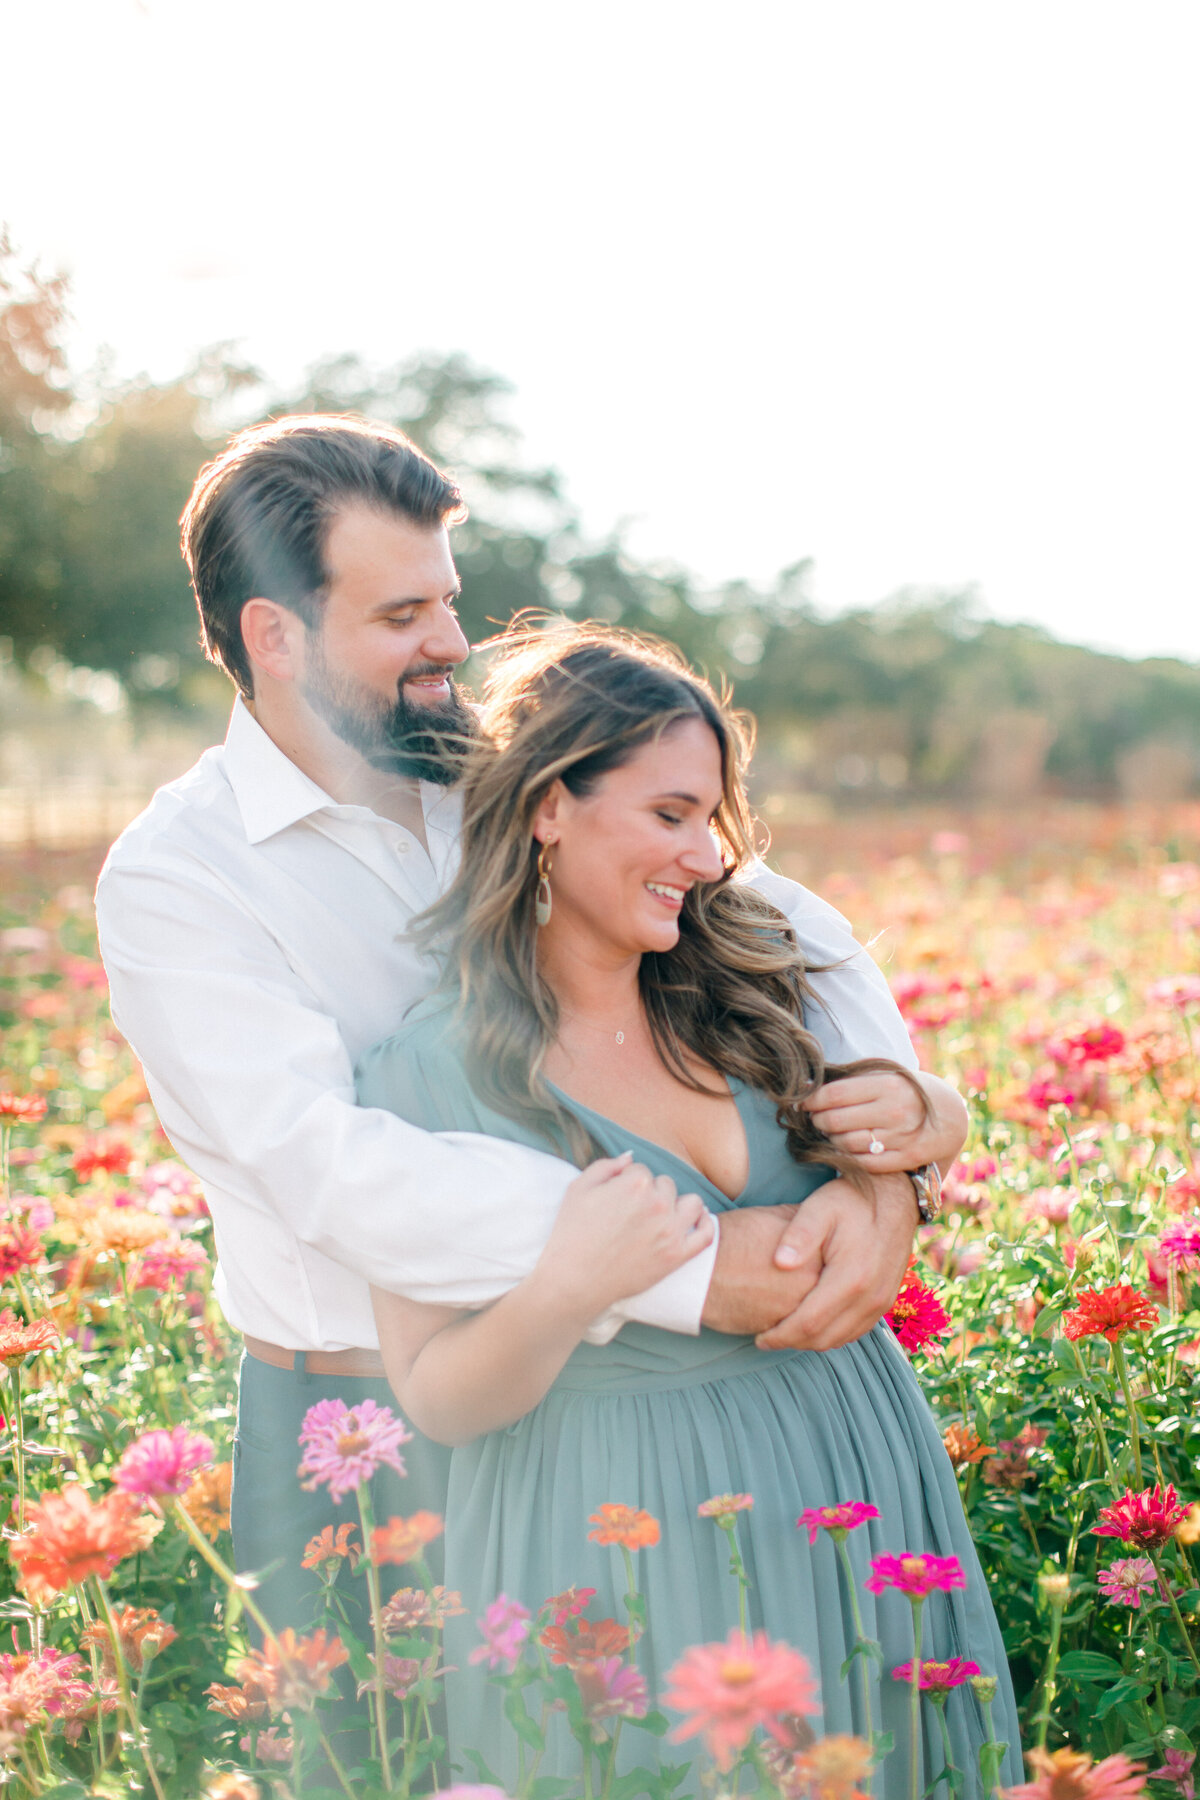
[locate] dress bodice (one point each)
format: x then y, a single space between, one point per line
420 1073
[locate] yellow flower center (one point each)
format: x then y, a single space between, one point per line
737 1671
352 1443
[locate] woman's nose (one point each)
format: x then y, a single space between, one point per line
703 858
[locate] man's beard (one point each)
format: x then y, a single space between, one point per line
426 743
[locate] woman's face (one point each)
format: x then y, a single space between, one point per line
625 855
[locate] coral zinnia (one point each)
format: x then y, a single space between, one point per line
142 1634
1147 1519
1072 1775
1111 1311
730 1689
403 1540
162 1462
724 1508
207 1499
938 1678
18 1340
344 1445
585 1640
294 1671
917 1316
246 1702
964 1445
411 1608
915 1575
832 1768
624 1525
21 1109
837 1520
70 1536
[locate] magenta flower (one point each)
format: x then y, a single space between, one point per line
915 1575
938 1678
1124 1582
836 1520
1147 1519
344 1445
1178 1768
163 1462
610 1689
505 1626
1180 1244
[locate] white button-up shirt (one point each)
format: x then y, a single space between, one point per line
255 936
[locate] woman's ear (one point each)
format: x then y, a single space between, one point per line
547 821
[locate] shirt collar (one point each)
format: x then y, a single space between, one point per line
271 792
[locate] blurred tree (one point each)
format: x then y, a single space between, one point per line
34 397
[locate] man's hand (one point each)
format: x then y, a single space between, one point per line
750 1290
850 1253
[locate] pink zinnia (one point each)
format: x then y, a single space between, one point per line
724 1507
1125 1581
915 1575
836 1520
729 1689
1180 1244
938 1678
1179 991
1147 1519
1178 1768
1072 1775
505 1626
344 1445
610 1689
170 1260
163 1462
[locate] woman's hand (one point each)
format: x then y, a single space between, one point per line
619 1230
886 1109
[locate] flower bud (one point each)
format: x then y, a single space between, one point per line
1085 1256
1188 1529
1056 1589
985 1688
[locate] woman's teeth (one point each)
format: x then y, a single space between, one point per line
667 893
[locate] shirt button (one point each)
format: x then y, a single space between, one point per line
402 846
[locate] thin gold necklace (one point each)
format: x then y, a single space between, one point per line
618 1037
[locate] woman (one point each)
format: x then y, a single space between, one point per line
609 987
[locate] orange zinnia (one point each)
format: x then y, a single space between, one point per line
624 1525
964 1445
123 1230
18 1340
330 1547
70 1536
585 1641
245 1703
142 1634
294 1671
207 1499
403 1540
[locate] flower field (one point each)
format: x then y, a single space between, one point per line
1051 966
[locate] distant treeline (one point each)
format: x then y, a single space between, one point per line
918 695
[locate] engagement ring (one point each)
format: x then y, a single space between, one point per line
876 1146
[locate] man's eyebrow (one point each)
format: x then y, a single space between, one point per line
387 606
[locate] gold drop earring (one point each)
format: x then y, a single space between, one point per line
543 903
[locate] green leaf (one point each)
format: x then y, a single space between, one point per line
1046 1320
486 1774
1126 1689
1089 1665
884 1742
656 1723
518 1717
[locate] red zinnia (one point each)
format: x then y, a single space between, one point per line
917 1315
1110 1311
20 1248
1147 1519
111 1159
584 1641
846 1516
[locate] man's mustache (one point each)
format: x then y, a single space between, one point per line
421 671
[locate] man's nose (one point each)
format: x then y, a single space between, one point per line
444 641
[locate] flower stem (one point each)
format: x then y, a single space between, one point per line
947 1746
1042 1720
914 1721
1165 1584
18 1442
737 1569
220 1567
135 1725
1135 1442
367 1516
336 1766
860 1636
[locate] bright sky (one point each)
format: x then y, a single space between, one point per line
912 289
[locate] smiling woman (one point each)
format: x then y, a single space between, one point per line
614 986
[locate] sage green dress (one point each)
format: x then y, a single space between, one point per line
663 1421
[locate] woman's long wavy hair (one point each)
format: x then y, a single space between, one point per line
570 704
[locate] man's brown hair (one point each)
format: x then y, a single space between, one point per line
256 522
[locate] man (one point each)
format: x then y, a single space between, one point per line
253 923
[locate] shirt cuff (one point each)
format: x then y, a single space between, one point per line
674 1304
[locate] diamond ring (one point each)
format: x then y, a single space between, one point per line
876 1146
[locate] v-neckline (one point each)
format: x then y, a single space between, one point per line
736 1091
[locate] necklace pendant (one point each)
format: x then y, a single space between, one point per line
620 1037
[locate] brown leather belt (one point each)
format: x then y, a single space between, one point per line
364 1363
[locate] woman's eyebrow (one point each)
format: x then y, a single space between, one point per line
688 799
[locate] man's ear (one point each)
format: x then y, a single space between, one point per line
547 819
274 639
